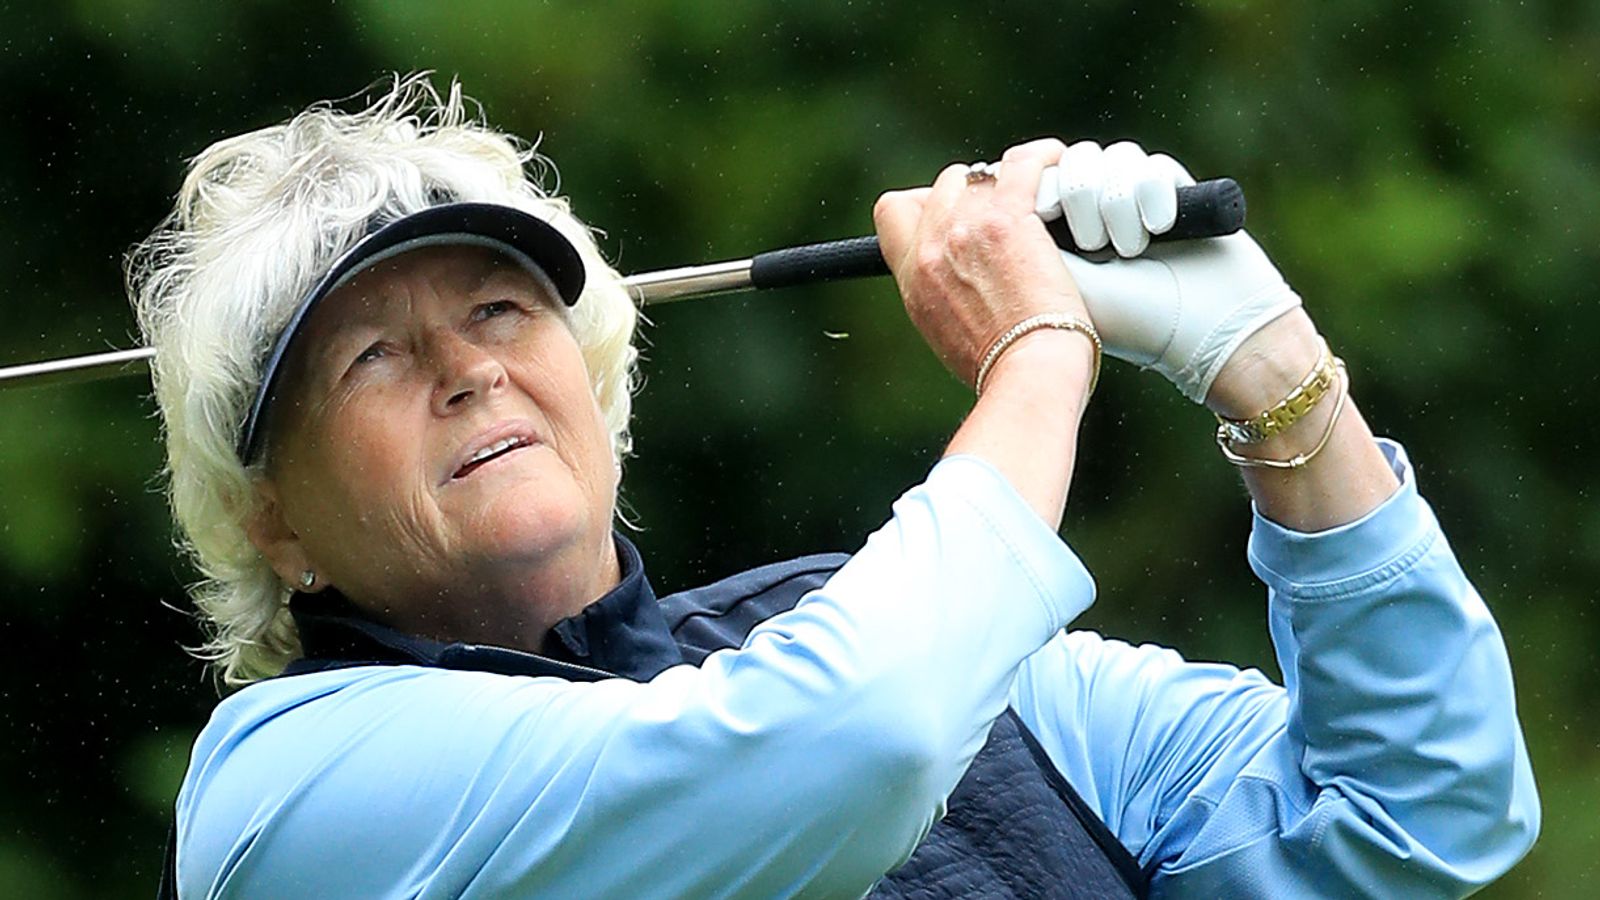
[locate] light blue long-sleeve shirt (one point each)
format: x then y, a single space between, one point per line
815 758
1390 764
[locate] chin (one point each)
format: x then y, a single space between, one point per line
536 519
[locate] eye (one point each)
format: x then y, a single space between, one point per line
374 352
492 309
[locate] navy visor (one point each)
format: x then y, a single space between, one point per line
532 242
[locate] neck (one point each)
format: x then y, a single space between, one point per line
517 609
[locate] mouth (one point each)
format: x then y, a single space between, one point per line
489 451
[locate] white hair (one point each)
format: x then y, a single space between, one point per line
259 219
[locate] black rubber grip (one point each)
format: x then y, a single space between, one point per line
829 261
1208 209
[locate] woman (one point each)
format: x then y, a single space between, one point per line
395 378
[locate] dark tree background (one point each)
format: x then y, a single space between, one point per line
1425 174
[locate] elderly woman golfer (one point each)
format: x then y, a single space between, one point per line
395 379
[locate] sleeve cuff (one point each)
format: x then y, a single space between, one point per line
1350 557
1063 583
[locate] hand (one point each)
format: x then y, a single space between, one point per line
972 260
1117 194
1183 308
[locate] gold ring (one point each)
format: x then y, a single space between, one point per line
982 171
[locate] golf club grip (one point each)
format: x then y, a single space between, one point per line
1208 209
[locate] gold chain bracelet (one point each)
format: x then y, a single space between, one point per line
1063 321
1301 459
1298 404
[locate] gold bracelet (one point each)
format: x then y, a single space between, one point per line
1015 333
1299 403
1299 460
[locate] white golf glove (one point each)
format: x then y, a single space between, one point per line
1181 308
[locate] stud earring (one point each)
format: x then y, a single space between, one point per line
308 578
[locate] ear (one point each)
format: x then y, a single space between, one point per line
268 529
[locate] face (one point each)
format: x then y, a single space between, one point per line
437 453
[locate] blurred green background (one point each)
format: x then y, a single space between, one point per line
1425 174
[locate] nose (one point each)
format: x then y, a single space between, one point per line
465 372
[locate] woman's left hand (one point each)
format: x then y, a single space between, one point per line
1183 308
1217 319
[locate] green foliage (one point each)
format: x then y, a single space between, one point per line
1423 173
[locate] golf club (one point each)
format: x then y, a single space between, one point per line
1207 209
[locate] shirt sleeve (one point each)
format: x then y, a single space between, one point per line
808 762
1390 763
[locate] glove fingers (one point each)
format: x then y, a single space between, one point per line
1047 205
1125 163
1021 171
1157 192
1079 181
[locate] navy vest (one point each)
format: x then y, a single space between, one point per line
1013 827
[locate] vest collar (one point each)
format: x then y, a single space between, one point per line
622 633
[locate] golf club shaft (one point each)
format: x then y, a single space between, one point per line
1208 209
